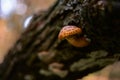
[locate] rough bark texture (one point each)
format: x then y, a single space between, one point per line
39 47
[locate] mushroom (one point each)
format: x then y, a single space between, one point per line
72 35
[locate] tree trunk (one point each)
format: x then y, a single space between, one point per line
39 54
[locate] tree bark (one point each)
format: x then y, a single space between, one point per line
39 47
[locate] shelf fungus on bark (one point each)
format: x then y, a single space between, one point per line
72 35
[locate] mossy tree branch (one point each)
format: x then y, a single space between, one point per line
40 40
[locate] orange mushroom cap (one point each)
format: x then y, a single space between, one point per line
68 31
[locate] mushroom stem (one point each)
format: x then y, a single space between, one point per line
78 41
